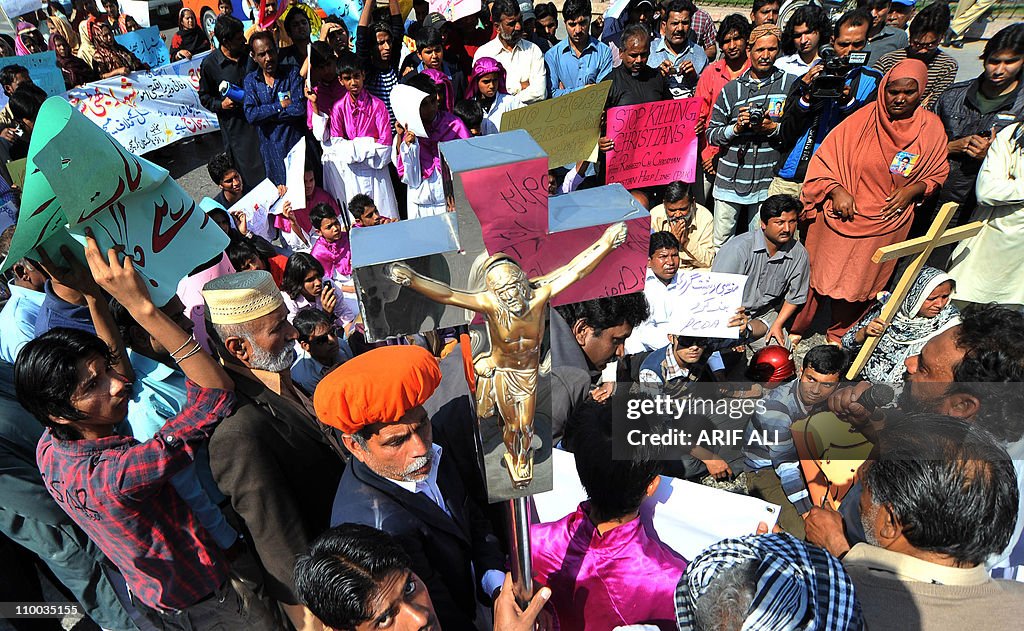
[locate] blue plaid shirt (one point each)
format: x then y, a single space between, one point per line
278 128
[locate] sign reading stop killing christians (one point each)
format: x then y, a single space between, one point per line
655 143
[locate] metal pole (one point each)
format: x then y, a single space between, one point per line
519 536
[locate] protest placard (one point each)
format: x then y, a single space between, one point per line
655 143
147 46
42 67
348 10
256 205
704 303
147 110
79 176
455 9
669 512
566 127
138 9
16 169
16 8
295 177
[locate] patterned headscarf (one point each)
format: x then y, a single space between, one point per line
485 65
24 29
799 587
763 30
910 328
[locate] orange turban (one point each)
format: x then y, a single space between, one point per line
379 386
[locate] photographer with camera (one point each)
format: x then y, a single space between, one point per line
744 125
832 89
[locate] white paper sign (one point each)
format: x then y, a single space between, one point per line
256 206
138 9
295 171
687 517
455 9
705 303
406 102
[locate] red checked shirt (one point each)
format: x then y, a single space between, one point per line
118 491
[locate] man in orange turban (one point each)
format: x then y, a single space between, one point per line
399 483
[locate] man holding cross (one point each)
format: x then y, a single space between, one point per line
514 307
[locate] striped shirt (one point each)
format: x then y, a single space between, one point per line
941 73
380 85
747 160
782 407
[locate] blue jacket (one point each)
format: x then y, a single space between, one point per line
805 123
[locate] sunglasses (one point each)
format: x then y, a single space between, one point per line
319 340
689 342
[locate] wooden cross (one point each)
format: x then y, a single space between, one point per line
936 237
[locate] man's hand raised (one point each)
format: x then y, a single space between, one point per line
115 275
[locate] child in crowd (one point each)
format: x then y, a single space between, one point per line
323 75
304 286
487 88
472 117
429 55
419 159
357 140
246 254
226 175
365 212
773 470
321 348
300 238
334 252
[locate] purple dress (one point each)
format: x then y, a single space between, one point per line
599 582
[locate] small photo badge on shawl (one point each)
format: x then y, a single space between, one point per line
904 162
775 105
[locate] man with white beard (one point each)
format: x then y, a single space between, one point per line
270 457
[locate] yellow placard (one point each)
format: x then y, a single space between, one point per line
566 127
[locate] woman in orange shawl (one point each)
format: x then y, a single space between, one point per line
861 191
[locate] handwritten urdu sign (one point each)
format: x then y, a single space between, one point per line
147 46
566 127
147 110
517 217
79 177
655 143
42 67
705 303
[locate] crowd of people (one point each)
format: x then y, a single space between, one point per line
247 456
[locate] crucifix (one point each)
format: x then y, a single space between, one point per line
510 251
936 237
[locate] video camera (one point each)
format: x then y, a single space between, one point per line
830 81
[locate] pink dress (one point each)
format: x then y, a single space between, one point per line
599 582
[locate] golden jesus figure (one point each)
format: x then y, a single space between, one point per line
514 308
